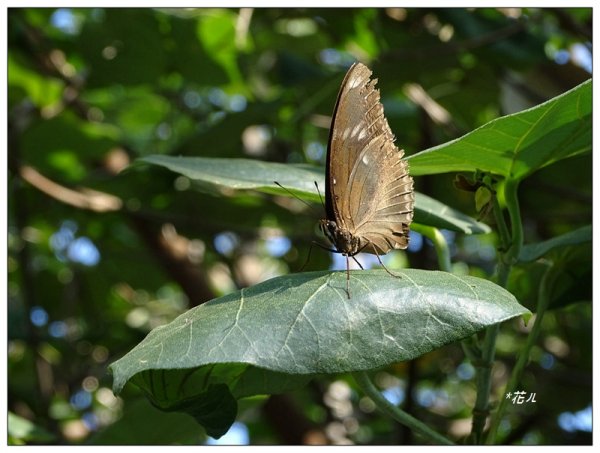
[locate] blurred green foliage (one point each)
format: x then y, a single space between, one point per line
100 253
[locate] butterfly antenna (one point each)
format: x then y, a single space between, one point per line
297 197
320 197
308 257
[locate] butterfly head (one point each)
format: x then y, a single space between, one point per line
343 240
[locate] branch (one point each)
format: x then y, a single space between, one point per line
168 250
83 198
171 251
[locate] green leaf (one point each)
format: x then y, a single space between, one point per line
516 145
65 145
434 213
135 58
275 336
532 252
483 196
21 430
572 282
42 91
305 323
241 174
143 424
210 393
217 32
215 409
242 380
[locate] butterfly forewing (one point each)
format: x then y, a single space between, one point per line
369 192
348 136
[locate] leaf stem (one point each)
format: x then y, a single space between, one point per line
503 232
439 243
517 373
516 227
367 386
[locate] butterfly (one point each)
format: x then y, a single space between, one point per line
369 196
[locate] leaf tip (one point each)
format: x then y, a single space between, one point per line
526 317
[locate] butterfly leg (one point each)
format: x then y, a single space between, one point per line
348 276
357 262
386 269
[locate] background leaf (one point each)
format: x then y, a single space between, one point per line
21 431
534 251
572 285
299 179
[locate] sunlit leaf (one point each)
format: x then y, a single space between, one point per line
295 326
518 144
305 323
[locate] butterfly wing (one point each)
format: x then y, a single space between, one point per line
385 191
369 191
344 142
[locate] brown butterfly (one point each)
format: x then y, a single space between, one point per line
368 193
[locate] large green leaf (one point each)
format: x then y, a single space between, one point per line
274 336
240 174
516 145
305 323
